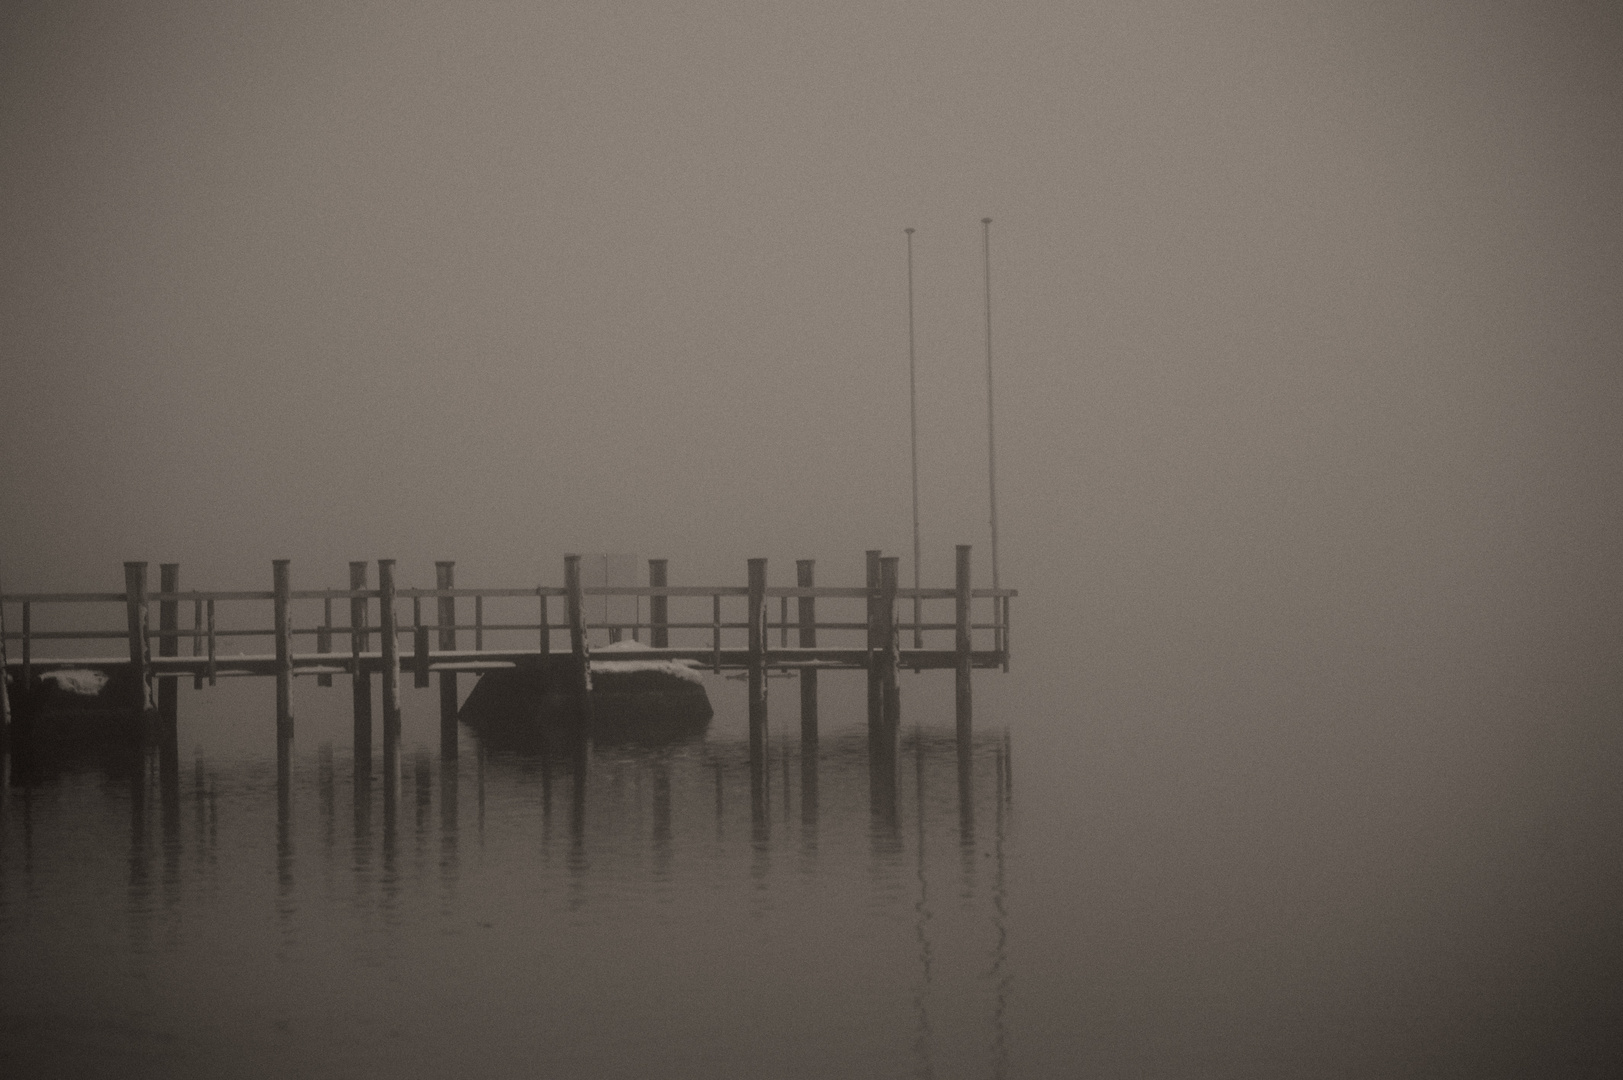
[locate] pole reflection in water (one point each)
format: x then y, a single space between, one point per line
677 909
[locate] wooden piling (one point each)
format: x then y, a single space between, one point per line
136 614
961 646
889 571
282 588
875 691
28 649
757 651
581 666
445 616
324 637
5 695
389 630
419 646
659 636
805 578
478 623
360 678
546 625
197 640
210 670
715 633
168 645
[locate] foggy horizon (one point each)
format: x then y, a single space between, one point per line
1306 330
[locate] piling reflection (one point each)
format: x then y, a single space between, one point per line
876 817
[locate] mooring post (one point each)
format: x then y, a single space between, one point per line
581 661
389 631
137 614
757 655
28 649
419 645
445 614
806 612
168 645
715 633
875 687
5 696
360 678
961 647
324 638
281 586
197 641
889 572
659 636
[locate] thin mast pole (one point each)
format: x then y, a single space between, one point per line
913 423
991 442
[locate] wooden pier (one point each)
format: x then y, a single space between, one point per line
867 636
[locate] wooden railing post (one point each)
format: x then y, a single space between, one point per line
419 646
281 587
197 641
389 630
211 643
168 644
875 689
136 614
360 678
28 648
581 661
806 611
757 656
889 570
445 613
324 638
962 645
658 606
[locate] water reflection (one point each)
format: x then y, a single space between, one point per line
856 834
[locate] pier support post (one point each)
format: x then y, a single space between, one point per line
757 656
445 616
360 679
806 614
281 590
580 657
168 645
136 613
875 691
324 638
888 640
659 636
961 646
389 631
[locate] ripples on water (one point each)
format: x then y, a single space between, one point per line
625 912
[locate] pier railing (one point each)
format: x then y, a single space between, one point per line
558 620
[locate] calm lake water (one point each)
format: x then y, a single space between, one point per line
1088 894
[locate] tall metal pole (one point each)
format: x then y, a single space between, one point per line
991 441
913 423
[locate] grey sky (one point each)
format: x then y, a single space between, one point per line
1300 307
